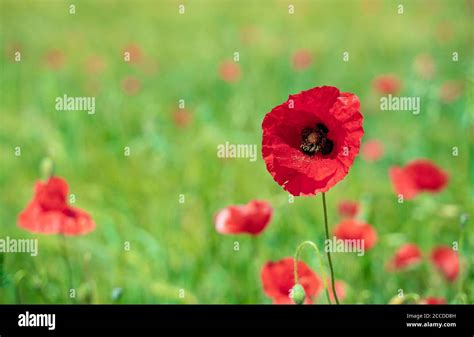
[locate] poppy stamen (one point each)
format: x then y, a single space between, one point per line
314 140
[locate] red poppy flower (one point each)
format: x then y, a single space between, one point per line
405 257
131 85
433 300
387 84
182 118
278 279
418 176
351 229
450 91
55 59
447 261
229 71
340 290
302 59
372 150
135 53
348 209
251 218
49 213
310 141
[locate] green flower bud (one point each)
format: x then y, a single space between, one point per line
46 168
298 294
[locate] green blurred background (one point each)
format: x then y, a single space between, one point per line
135 198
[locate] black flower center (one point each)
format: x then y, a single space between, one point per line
315 140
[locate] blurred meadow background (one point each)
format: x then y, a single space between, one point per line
135 199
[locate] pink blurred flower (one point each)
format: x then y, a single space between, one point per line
348 209
302 59
55 59
135 53
131 85
387 84
182 118
405 257
450 91
424 66
251 218
372 150
229 71
446 260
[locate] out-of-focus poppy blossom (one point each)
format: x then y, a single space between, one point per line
351 229
95 64
450 91
446 260
310 141
433 300
405 257
251 218
131 85
49 212
444 32
348 209
278 279
182 118
55 59
302 59
424 66
387 84
229 71
372 150
340 290
418 176
249 34
135 53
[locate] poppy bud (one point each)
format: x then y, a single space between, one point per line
298 293
47 168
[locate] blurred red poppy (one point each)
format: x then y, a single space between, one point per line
310 141
340 290
424 66
131 85
49 212
348 209
450 91
406 256
251 218
55 59
372 150
433 300
229 71
278 279
302 59
418 176
387 84
351 229
447 261
182 118
135 54
95 64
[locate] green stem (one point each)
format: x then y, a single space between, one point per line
65 256
327 251
297 256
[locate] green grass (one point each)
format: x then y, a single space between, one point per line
175 246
